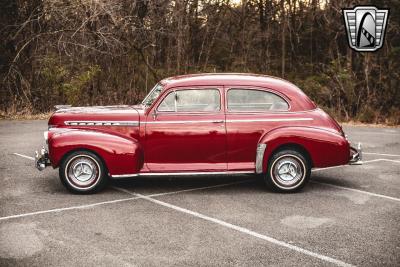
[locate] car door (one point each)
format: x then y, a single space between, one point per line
185 131
250 112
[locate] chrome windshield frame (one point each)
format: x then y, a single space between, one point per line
146 99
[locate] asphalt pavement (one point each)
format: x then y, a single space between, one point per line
349 215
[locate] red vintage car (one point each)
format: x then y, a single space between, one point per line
198 124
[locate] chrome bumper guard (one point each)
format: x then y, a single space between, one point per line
356 155
42 159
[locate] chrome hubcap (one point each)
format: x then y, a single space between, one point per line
288 171
82 171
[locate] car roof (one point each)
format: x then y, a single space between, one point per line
299 101
219 77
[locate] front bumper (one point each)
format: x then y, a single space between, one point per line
42 159
356 155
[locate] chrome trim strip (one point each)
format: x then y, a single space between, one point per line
180 173
124 175
276 119
234 120
193 173
260 157
181 122
255 88
102 123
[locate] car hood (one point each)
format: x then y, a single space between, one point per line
64 116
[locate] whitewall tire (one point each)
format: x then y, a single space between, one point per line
288 171
83 172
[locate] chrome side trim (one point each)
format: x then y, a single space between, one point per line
102 123
124 175
217 121
260 157
269 120
182 122
179 174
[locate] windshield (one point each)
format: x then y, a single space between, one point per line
153 95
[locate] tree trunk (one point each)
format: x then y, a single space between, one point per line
283 48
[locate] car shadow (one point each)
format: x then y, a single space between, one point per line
161 184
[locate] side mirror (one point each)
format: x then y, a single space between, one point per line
154 115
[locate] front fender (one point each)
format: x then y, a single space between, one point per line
121 155
325 148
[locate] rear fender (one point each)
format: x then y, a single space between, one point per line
324 148
121 155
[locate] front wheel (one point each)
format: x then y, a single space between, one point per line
83 172
288 171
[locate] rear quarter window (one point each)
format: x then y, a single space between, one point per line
255 100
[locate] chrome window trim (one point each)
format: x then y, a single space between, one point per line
180 173
151 91
174 90
191 113
101 123
270 112
264 89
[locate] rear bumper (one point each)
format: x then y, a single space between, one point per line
42 159
355 155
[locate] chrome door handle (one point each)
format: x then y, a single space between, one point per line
221 121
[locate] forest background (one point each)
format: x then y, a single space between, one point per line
105 52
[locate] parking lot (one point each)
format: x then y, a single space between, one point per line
348 215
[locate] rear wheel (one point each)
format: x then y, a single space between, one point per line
83 172
288 171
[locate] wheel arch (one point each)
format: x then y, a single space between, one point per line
314 143
118 154
295 146
76 149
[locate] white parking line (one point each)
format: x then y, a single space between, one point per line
353 189
243 230
391 160
24 156
66 208
339 166
116 200
367 161
356 190
389 155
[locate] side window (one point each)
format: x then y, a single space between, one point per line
168 103
192 100
254 100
